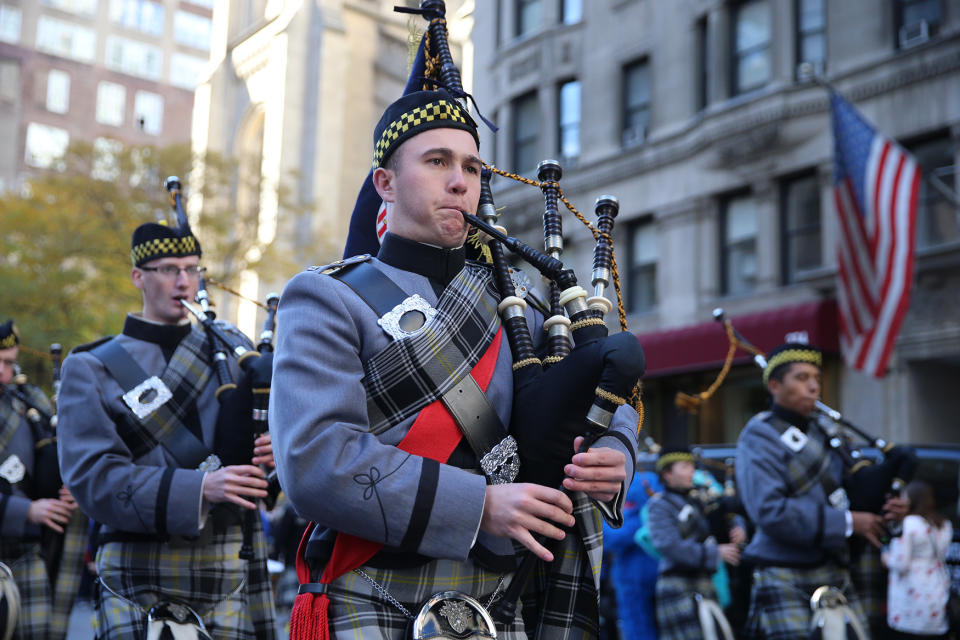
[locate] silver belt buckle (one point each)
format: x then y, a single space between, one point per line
451 614
147 397
501 464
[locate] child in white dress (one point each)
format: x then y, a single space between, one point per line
918 583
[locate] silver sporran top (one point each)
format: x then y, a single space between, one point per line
454 615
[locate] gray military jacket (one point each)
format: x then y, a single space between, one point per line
13 521
681 534
793 528
110 485
335 471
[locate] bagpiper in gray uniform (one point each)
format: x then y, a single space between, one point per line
339 411
160 540
681 534
20 539
790 482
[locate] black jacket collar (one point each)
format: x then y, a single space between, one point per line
167 336
440 265
792 417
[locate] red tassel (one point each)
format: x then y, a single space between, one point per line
308 619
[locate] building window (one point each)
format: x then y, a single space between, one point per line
571 11
148 112
186 71
751 45
133 57
80 7
800 225
569 110
10 18
111 103
45 145
738 245
142 15
192 30
526 132
917 20
66 39
643 256
812 34
938 219
636 103
58 91
703 63
527 17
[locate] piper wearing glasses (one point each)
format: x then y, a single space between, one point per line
137 420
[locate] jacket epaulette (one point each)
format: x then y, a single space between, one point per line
91 345
337 265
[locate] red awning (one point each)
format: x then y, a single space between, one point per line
704 346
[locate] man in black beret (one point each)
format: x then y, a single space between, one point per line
791 484
372 437
138 419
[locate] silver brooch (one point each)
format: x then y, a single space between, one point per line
457 615
502 463
12 469
147 397
408 318
794 439
521 282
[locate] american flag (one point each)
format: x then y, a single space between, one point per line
875 187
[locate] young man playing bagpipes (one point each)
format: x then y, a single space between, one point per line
368 422
686 599
28 511
138 422
791 484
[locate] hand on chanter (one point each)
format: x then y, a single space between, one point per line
869 525
520 511
50 512
263 450
234 484
599 472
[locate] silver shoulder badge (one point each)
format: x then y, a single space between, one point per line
408 318
794 439
12 469
336 265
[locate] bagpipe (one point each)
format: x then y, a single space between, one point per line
43 424
243 401
868 483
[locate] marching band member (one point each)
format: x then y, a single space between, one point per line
137 421
791 485
681 534
23 512
364 442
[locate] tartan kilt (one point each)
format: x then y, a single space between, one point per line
677 617
206 577
66 584
780 600
869 578
357 610
36 600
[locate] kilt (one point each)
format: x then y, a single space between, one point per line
869 578
209 578
780 600
36 600
69 573
358 610
677 617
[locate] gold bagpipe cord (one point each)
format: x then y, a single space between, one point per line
691 403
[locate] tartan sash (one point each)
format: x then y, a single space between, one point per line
412 373
186 375
807 466
10 420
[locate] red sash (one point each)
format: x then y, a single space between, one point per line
434 434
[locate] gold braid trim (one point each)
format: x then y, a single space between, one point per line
636 400
526 363
587 322
789 356
610 397
552 359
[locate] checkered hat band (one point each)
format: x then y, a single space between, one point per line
791 355
9 341
162 248
670 458
413 119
